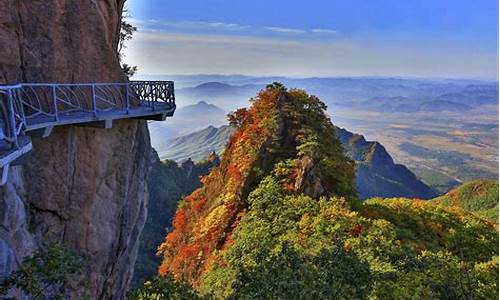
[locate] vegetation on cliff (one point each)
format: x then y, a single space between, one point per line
169 182
46 273
279 219
478 196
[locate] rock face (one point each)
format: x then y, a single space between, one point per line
84 187
15 239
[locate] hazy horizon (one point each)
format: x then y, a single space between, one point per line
139 74
425 39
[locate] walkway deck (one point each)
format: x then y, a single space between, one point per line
35 109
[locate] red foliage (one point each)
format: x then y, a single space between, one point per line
356 230
180 219
234 172
200 204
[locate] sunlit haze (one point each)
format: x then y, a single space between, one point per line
316 38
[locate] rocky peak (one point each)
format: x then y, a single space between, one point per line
286 134
376 173
378 156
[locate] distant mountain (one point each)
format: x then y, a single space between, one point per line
478 196
198 109
473 94
226 95
183 81
187 119
377 174
347 91
197 145
440 105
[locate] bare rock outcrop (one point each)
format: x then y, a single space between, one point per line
81 186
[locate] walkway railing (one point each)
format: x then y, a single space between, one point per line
12 119
31 106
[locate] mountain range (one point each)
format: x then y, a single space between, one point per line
187 119
375 92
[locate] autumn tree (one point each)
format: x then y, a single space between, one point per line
238 117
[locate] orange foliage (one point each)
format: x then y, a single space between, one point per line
180 219
234 172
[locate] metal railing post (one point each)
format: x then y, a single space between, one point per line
12 121
54 102
21 107
94 106
153 96
172 98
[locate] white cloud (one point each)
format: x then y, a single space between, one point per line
153 23
322 30
158 25
284 30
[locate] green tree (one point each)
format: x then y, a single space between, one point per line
163 288
127 31
46 271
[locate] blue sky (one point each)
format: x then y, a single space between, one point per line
433 38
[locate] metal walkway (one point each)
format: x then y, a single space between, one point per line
33 109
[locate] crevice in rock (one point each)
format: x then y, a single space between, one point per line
50 211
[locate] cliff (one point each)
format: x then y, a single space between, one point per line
83 187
